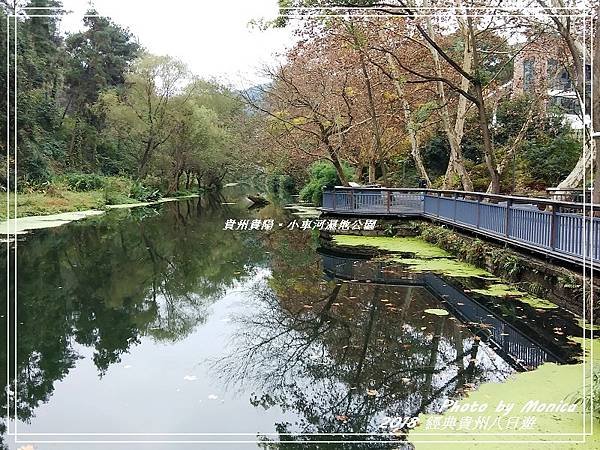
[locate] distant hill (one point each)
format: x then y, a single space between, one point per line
255 93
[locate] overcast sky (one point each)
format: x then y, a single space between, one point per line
213 38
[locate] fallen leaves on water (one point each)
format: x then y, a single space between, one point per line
372 392
342 418
436 311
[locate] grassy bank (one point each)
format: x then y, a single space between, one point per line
41 203
77 192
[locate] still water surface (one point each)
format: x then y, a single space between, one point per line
155 320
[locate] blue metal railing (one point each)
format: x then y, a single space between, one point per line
565 230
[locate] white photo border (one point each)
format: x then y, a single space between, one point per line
588 265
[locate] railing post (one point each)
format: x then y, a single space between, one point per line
478 211
438 204
553 228
455 197
334 198
388 200
507 217
352 204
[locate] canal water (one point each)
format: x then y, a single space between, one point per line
156 324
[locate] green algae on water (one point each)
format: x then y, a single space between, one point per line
587 326
499 290
427 257
550 383
504 290
444 266
537 302
412 245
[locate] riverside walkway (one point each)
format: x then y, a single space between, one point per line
563 230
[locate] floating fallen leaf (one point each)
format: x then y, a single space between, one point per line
213 397
372 392
190 378
342 418
308 306
436 311
405 380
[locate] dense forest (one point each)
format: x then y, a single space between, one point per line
447 100
99 114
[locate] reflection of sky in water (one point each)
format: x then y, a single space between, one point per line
141 322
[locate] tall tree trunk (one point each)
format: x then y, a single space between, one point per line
576 50
335 160
384 171
339 169
410 126
372 170
455 164
145 158
378 151
488 145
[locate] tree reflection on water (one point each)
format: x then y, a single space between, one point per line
341 356
335 357
105 283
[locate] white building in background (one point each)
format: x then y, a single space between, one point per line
541 70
